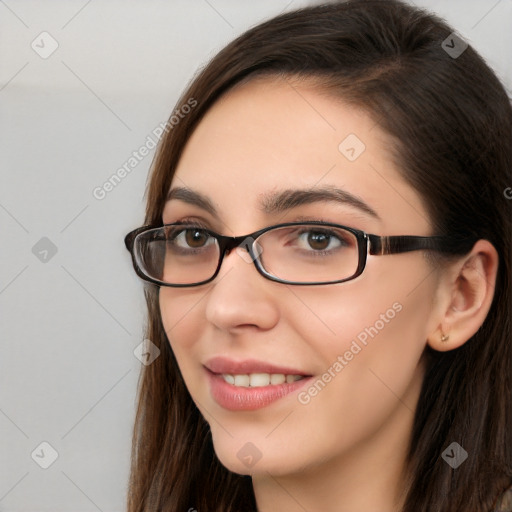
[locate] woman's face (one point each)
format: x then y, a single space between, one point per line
359 342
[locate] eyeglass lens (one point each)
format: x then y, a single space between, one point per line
185 254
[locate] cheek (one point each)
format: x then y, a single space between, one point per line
371 364
182 318
370 334
391 300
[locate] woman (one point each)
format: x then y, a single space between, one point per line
327 244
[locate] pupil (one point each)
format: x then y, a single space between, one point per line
318 241
194 238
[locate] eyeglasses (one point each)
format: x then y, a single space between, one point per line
296 253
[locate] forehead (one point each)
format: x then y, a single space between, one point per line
293 128
275 134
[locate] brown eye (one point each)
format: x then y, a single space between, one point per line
318 241
189 239
322 241
195 238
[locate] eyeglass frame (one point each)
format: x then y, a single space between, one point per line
367 244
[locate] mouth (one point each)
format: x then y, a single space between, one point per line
255 380
250 384
252 367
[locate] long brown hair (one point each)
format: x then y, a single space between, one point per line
451 121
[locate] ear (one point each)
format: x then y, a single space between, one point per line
465 294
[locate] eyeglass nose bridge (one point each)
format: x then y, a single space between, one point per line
246 243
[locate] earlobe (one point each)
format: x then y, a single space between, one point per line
468 288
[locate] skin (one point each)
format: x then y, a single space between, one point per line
345 450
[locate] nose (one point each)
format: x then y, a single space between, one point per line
240 296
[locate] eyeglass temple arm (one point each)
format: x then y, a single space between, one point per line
398 244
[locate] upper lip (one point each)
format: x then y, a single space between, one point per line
221 364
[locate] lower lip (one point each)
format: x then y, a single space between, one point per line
237 398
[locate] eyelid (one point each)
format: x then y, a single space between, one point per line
308 218
318 218
193 222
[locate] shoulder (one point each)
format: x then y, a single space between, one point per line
504 503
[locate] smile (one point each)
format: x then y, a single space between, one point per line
248 392
254 380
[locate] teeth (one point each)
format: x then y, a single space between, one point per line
229 378
242 381
259 379
277 378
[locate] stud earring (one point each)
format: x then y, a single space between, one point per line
445 337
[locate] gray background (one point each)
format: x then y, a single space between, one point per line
70 321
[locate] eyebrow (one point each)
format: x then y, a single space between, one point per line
280 201
192 197
277 202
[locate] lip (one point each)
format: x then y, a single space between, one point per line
238 398
222 364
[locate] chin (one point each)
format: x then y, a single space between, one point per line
247 458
